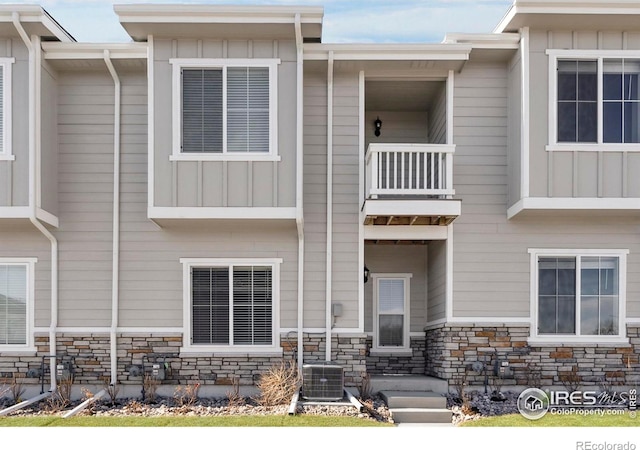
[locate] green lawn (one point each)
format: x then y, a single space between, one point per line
516 420
191 421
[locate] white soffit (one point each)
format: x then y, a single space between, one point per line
35 20
219 21
572 14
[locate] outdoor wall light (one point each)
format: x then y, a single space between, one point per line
366 274
378 125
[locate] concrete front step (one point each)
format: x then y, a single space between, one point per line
408 383
414 399
424 407
421 415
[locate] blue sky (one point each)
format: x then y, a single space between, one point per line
425 21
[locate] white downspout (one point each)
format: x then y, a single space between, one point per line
34 110
115 278
299 185
329 276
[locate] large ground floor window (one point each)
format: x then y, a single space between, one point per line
579 293
231 303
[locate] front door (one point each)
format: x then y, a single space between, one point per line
391 311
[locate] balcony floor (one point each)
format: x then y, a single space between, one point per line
411 212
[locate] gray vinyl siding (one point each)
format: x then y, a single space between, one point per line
398 127
151 284
489 279
438 118
574 173
437 280
315 196
347 271
85 125
49 152
399 259
491 261
14 175
514 132
224 183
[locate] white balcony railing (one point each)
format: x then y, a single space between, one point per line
409 169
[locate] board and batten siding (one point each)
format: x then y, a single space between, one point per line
491 263
224 183
14 175
315 194
575 173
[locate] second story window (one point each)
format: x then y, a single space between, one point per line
224 109
577 101
597 100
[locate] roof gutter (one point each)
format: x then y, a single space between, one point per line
33 46
299 183
115 280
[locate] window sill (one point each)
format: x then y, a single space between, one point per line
391 352
4 157
581 147
223 157
208 351
18 351
590 341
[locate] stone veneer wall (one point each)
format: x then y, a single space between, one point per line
388 363
90 357
452 349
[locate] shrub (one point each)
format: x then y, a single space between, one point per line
186 395
61 398
111 389
150 386
278 385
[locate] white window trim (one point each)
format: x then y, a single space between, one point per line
188 263
599 55
406 347
6 154
222 63
562 339
29 263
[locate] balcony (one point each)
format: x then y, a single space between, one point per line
409 184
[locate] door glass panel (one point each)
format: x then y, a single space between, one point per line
391 330
391 312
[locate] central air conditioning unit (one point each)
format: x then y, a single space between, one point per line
322 381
